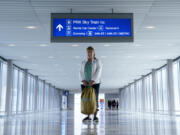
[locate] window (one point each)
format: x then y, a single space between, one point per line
17 90
3 84
57 99
40 95
14 90
176 80
51 89
46 96
162 90
132 97
31 93
20 91
139 95
148 93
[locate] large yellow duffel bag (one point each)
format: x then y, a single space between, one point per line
88 101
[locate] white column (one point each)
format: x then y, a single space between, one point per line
36 94
154 90
44 95
59 99
135 94
25 90
129 97
170 86
53 97
143 94
123 99
60 95
49 95
9 87
119 99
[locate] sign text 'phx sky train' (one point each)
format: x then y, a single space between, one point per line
91 28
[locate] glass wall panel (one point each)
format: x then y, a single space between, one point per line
148 93
133 98
40 95
162 89
20 91
31 93
3 84
14 90
17 90
139 95
48 96
176 80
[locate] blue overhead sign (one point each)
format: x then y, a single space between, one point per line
92 27
77 28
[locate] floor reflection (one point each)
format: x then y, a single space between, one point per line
111 123
89 128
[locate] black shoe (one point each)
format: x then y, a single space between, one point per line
87 119
96 119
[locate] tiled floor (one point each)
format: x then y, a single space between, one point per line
69 123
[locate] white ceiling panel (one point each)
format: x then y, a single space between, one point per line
59 63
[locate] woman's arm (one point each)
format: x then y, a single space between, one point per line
82 77
97 75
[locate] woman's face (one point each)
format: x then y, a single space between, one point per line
90 54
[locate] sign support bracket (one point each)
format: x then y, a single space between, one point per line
112 10
71 11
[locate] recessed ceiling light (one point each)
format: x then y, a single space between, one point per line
11 45
123 65
75 45
156 56
107 45
77 57
149 27
43 45
103 56
130 56
34 64
137 45
170 44
25 57
146 64
51 57
30 27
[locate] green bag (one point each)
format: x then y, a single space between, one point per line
88 101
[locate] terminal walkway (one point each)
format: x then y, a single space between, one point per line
69 122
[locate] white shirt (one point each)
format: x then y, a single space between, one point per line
96 71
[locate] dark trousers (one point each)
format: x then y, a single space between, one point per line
96 88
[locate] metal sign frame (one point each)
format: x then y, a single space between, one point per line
69 39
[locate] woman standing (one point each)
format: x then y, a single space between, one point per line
90 75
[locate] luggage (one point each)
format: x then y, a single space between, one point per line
88 101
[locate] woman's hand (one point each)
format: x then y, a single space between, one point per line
84 82
91 83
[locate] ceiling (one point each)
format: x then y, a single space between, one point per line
157 38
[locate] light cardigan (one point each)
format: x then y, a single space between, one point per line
96 71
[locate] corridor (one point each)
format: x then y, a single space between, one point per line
70 122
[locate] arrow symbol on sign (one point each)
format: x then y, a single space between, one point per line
59 27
